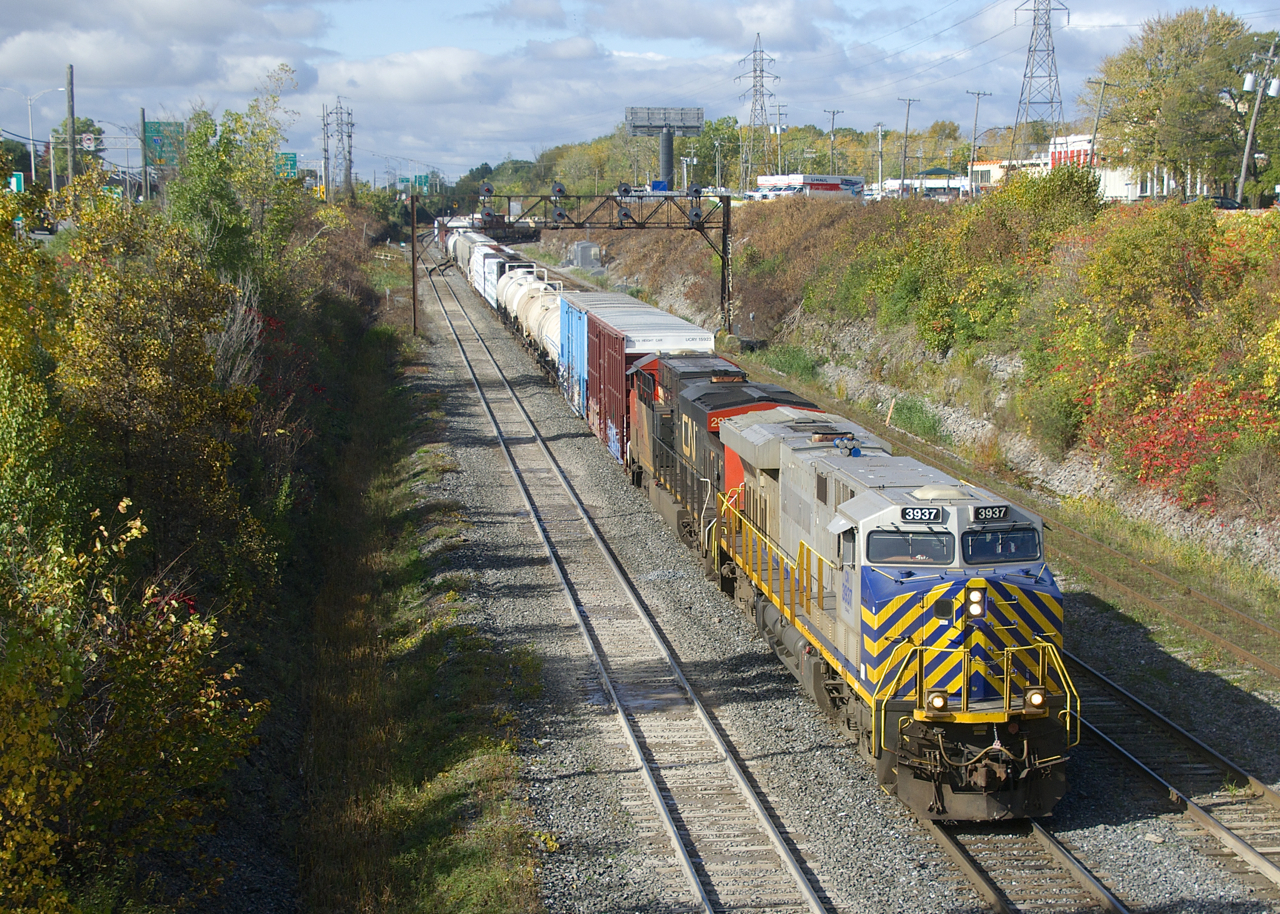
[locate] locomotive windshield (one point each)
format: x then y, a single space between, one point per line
900 547
990 547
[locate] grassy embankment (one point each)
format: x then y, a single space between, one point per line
410 769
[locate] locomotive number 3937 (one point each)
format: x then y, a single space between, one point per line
922 515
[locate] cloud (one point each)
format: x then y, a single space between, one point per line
544 13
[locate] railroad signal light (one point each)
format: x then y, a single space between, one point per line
558 214
624 189
557 190
486 189
695 216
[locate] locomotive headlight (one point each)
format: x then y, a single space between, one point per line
936 701
1034 699
975 602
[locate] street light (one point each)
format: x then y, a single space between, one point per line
31 136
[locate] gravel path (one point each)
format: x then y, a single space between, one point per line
601 851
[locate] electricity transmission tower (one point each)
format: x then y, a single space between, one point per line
1041 100
345 124
755 148
326 176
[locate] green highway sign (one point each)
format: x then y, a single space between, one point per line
286 164
165 141
422 180
16 182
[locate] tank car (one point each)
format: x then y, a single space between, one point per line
916 609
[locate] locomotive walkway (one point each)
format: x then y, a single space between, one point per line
721 835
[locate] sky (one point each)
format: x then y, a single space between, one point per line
447 85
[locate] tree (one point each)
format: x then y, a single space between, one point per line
1176 103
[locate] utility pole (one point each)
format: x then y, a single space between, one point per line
905 128
880 158
833 135
413 257
1097 118
348 190
1253 121
719 181
71 126
778 111
142 138
973 148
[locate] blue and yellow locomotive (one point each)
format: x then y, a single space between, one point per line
916 609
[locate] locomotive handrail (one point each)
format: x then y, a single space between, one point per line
770 568
1048 656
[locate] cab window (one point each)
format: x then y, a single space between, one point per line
895 547
991 547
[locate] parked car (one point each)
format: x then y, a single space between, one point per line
1217 202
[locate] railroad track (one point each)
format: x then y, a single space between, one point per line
1021 866
732 854
1228 803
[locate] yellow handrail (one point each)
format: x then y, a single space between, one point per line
1047 656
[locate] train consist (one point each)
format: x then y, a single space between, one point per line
917 610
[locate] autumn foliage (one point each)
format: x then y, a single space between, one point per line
159 369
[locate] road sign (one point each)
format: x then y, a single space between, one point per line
164 142
16 182
286 164
422 180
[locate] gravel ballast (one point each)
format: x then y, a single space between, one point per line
601 852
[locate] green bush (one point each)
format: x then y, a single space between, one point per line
792 361
912 416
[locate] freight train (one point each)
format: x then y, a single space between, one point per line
917 610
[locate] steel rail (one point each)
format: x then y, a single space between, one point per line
1191 740
1191 809
628 731
779 843
990 890
976 875
1068 861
